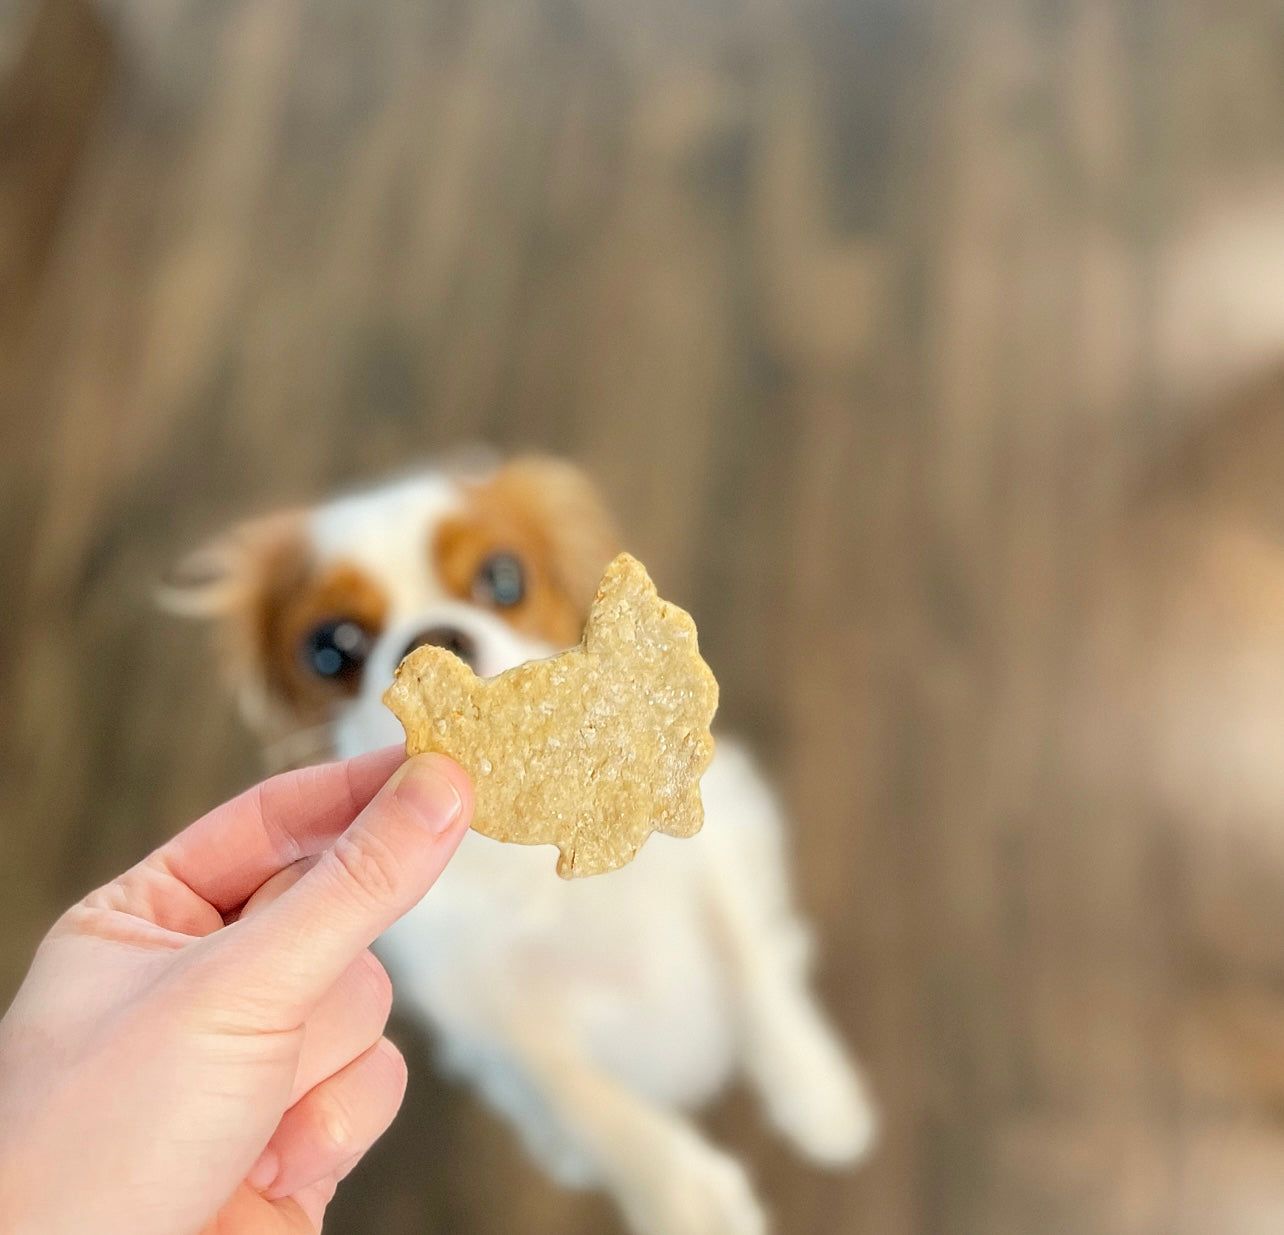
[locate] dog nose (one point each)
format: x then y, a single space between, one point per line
449 637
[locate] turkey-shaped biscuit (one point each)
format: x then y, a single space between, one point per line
590 750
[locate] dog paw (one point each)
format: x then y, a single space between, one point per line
700 1191
816 1097
834 1124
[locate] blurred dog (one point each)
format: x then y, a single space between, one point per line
590 1013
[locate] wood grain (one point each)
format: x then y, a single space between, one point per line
880 323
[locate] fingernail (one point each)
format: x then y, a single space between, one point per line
427 792
264 1171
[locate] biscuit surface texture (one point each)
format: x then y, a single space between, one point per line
590 750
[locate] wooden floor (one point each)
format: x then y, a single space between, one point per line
905 337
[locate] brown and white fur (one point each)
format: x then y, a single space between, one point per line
594 1013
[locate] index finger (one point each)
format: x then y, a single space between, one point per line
228 854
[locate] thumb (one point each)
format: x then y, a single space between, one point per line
287 956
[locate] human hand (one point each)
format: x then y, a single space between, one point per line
198 1045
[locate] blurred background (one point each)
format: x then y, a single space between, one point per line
931 352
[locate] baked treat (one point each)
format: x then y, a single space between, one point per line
590 750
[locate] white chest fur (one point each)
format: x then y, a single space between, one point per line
626 961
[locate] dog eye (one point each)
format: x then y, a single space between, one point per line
499 581
337 649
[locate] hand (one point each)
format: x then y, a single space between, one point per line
198 1045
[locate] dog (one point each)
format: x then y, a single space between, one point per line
596 1014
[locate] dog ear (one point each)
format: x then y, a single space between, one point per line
226 573
238 581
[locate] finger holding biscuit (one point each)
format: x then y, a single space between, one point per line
206 1029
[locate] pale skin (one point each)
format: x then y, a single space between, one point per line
198 1046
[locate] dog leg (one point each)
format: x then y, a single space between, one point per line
666 1178
811 1089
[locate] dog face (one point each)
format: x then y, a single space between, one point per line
316 607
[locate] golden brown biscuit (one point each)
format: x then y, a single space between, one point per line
590 750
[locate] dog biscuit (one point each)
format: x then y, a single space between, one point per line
590 750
